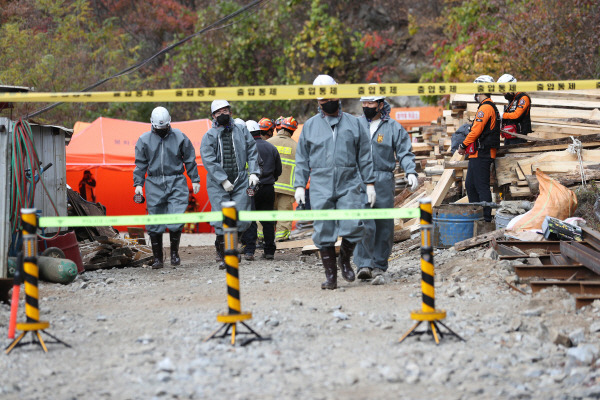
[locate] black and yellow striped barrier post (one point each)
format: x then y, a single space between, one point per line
428 312
235 314
31 275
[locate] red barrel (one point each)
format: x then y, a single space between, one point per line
68 244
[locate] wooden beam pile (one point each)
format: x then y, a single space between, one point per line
111 252
555 117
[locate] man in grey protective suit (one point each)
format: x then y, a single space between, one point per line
334 151
389 142
162 154
229 154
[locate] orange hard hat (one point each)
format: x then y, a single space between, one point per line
289 123
266 124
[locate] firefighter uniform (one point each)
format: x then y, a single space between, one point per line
517 113
485 136
284 187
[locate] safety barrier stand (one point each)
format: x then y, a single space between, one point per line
235 314
428 312
31 274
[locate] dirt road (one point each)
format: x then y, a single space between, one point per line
138 334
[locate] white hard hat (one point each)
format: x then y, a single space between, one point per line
324 80
373 97
506 78
218 104
160 118
252 125
484 79
239 121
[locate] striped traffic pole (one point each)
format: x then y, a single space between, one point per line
31 275
428 312
234 304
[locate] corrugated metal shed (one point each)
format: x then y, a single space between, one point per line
50 144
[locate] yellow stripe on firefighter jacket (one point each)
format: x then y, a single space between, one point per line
286 146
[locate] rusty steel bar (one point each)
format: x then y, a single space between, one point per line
555 272
574 287
582 254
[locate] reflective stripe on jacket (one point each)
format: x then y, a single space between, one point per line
286 146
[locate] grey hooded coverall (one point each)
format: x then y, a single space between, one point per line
211 151
338 161
389 143
166 187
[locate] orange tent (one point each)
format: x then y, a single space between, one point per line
107 148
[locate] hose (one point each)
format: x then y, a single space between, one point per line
24 165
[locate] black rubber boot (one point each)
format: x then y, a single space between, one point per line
328 258
175 238
156 239
346 250
220 246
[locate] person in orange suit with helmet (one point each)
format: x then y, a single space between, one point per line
516 117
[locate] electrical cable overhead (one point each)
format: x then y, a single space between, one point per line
128 70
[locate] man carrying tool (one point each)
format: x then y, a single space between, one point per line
264 194
284 187
481 144
229 154
162 154
516 117
334 151
389 142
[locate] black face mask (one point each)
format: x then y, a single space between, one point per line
509 96
162 132
331 107
223 119
370 112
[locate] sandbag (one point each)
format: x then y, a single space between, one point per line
554 200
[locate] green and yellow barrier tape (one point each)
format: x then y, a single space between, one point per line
212 216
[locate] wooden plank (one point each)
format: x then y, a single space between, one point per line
294 244
456 164
441 189
563 167
539 102
311 248
516 191
478 240
529 149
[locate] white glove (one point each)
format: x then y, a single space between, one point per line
413 182
227 186
300 195
196 187
139 190
253 180
371 194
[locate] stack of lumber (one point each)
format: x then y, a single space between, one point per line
111 252
556 117
553 115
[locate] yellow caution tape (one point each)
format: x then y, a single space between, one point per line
297 92
213 216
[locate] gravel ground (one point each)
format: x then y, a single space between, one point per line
138 334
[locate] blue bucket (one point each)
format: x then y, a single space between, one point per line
453 223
